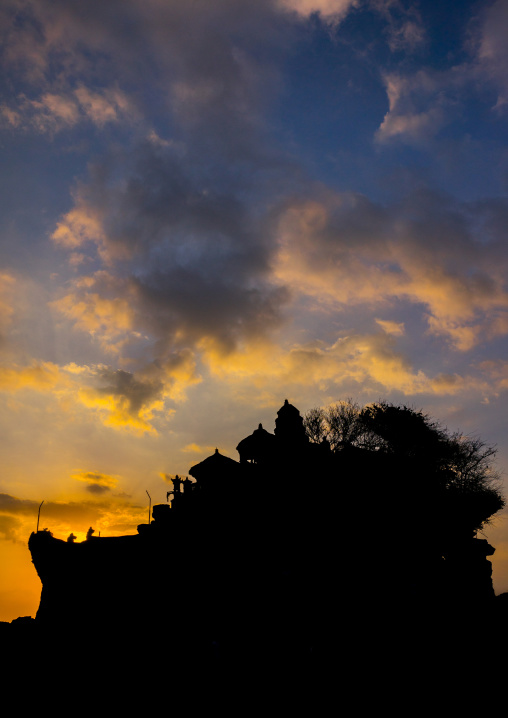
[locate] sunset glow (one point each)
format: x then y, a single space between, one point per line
208 208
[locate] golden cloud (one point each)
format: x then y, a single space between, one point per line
368 360
116 410
85 223
129 401
79 225
96 478
197 449
105 318
332 252
120 399
42 376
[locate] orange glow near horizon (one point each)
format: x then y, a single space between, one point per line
300 199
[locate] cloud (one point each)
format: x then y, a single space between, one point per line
110 318
343 250
109 105
97 482
419 105
184 260
197 449
97 489
329 9
124 400
18 517
41 376
422 103
218 59
79 225
404 25
492 50
7 283
497 371
198 255
53 112
390 327
10 528
120 399
57 510
12 505
189 273
369 361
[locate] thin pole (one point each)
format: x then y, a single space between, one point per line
149 507
38 516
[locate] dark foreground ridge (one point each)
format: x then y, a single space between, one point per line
295 560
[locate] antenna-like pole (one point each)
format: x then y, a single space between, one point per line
38 516
149 507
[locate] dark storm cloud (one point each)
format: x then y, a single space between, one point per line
97 489
12 505
203 307
161 197
98 483
190 255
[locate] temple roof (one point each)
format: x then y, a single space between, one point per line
256 444
217 463
289 424
288 409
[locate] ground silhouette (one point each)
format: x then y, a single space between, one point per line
308 555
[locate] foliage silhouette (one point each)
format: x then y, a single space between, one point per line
456 469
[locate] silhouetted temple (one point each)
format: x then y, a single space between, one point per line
277 556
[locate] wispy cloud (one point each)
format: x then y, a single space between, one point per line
420 105
329 9
52 112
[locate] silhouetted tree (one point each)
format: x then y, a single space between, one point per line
340 424
453 470
314 422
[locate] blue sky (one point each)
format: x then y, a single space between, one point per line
207 208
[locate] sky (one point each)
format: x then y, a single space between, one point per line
209 207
